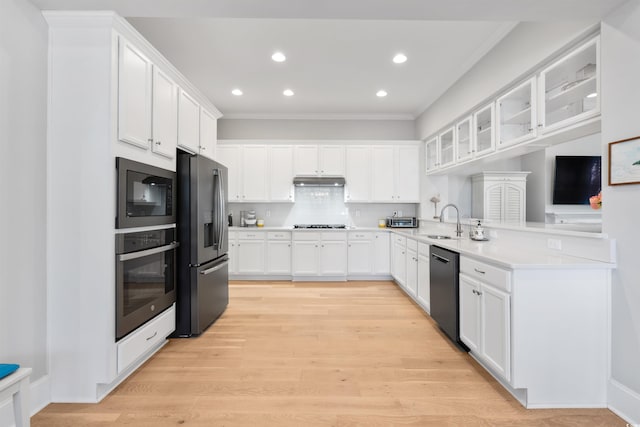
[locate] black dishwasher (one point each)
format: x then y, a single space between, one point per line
443 275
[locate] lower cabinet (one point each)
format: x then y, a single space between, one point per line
411 284
423 290
320 253
399 259
251 252
279 253
485 316
382 253
233 252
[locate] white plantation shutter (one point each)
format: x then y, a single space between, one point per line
513 203
493 202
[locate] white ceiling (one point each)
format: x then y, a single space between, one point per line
338 51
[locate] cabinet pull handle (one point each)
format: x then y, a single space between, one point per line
152 336
158 143
150 140
479 271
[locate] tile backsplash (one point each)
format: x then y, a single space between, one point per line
322 205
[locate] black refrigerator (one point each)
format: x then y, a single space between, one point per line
203 272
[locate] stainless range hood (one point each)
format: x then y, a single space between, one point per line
318 181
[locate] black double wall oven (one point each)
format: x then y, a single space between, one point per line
145 244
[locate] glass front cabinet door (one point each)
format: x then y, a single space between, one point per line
516 112
447 147
432 150
570 88
484 130
464 140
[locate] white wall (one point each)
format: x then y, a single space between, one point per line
620 56
316 129
23 100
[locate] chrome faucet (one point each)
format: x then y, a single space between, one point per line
458 225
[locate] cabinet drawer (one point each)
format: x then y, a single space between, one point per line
360 235
250 235
334 235
279 235
423 249
412 245
494 276
306 235
401 240
146 338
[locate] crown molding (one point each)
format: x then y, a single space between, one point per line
267 116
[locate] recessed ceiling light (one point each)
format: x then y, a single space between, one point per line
381 93
592 95
237 92
400 58
278 57
287 92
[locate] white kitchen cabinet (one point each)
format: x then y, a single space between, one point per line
399 259
447 146
135 73
464 145
384 187
382 253
570 87
279 253
485 315
306 257
248 171
360 253
484 130
516 115
470 313
358 173
254 173
251 252
411 283
280 177
320 254
233 252
423 290
319 160
499 196
208 134
229 155
396 174
432 152
165 114
188 122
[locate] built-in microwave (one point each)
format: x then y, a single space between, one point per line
146 195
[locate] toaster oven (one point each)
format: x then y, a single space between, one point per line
402 222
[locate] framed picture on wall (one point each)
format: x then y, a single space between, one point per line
624 161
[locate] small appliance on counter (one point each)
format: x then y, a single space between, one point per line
402 222
478 233
247 218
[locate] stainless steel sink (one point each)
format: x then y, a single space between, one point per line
438 236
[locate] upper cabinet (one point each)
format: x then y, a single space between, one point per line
208 133
281 173
188 122
134 95
464 140
319 160
559 103
570 87
165 114
484 130
447 147
517 114
396 174
358 173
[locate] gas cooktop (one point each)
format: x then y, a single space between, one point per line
319 226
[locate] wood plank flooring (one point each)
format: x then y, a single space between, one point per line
315 354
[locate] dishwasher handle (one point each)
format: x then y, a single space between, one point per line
440 258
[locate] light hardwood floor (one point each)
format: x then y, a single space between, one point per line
315 354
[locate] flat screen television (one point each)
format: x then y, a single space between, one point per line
576 179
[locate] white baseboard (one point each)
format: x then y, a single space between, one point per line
624 402
39 397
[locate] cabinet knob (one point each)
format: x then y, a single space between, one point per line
203 148
158 143
150 140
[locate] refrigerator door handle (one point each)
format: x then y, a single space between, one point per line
221 208
212 269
